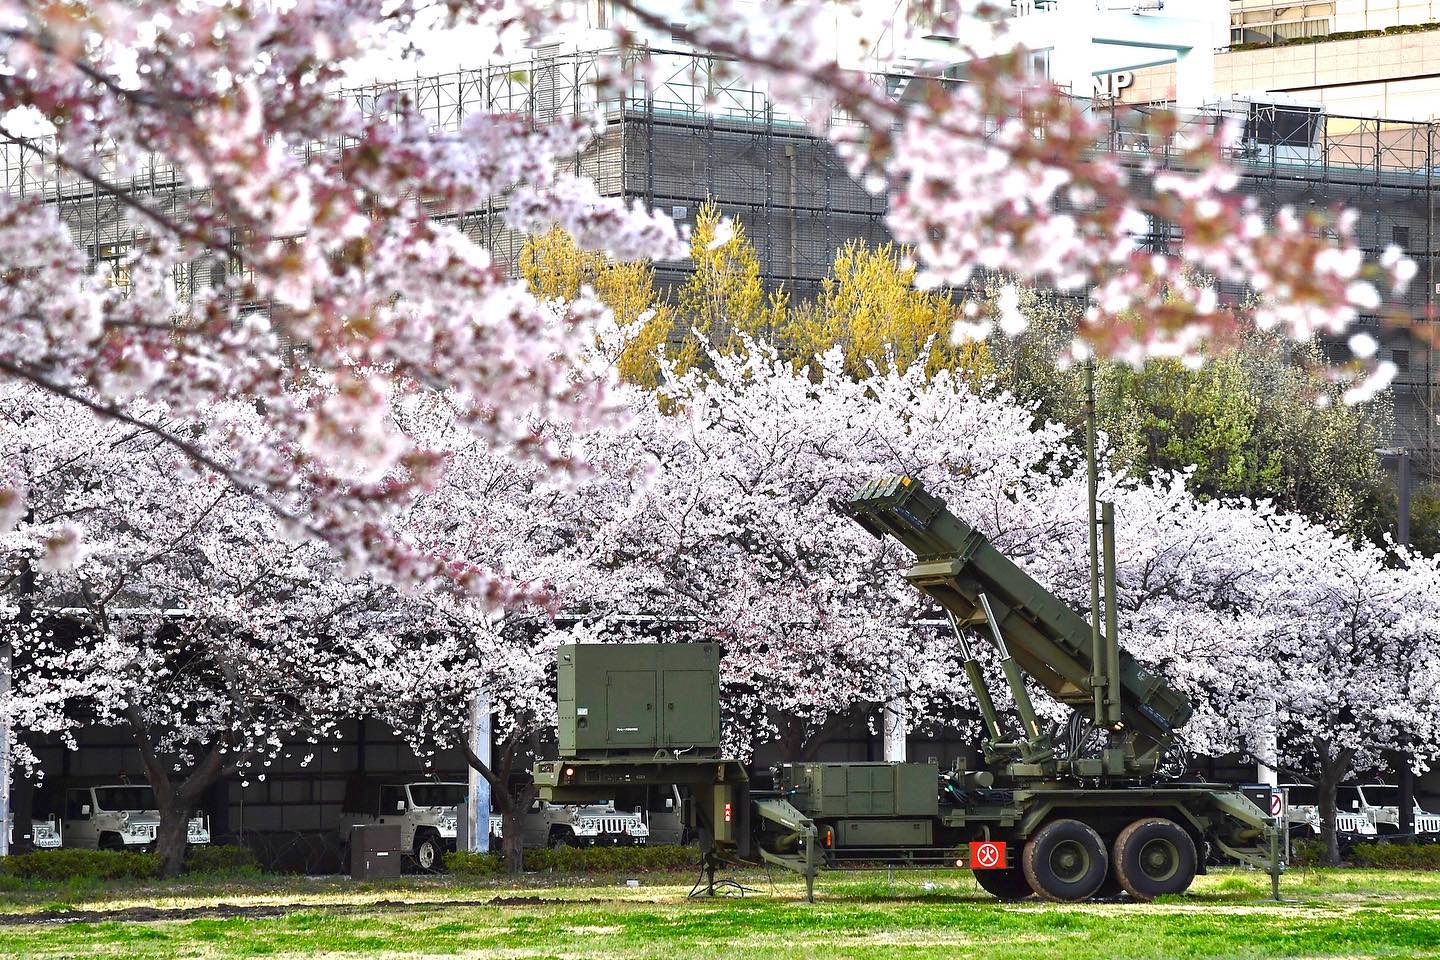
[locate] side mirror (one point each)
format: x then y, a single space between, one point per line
84 809
399 806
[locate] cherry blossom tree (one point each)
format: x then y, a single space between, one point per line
334 244
997 174
186 614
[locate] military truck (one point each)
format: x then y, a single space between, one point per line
119 816
582 825
1095 806
426 810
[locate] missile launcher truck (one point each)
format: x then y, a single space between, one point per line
1091 809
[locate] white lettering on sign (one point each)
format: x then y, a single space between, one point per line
1111 84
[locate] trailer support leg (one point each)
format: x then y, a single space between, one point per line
1275 862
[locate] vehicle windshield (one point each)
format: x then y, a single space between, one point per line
125 798
1346 798
437 794
1303 795
1380 795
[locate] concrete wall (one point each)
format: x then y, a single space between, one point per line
1396 77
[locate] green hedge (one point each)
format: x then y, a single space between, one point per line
1396 856
221 858
580 860
59 865
1380 854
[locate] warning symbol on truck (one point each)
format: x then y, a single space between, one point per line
987 855
1277 803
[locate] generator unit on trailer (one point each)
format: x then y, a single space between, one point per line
1091 808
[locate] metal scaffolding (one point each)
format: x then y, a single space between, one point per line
691 130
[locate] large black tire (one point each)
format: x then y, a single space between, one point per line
560 837
429 852
1007 884
1153 857
110 841
1066 860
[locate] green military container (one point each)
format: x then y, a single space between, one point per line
623 699
830 790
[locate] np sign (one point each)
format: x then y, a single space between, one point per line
1110 85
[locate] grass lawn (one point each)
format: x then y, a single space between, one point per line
1341 913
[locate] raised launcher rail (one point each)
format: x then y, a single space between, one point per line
957 566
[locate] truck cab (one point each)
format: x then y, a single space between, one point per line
426 812
1381 803
1303 814
118 816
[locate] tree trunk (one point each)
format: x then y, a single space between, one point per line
1332 768
176 800
172 835
512 804
1325 786
512 846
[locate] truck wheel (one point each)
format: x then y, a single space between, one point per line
1065 860
430 853
110 841
1154 856
1004 884
561 838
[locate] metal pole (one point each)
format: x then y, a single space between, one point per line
1402 482
478 796
1097 653
1112 629
1406 775
5 825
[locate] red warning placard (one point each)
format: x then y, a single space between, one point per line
987 855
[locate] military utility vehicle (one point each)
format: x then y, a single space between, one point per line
1302 814
1096 805
119 816
1380 802
426 811
44 834
584 825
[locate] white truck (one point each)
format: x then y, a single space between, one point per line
583 825
1381 803
119 816
44 834
1303 814
425 810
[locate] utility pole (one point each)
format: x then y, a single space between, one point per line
477 800
1404 775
